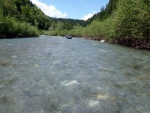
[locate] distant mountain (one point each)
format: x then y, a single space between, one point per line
74 22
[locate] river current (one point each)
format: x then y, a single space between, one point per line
59 75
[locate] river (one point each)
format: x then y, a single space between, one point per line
59 75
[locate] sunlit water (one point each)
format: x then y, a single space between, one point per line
58 75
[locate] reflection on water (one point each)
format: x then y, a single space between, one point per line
56 75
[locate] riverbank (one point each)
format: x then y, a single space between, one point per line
135 43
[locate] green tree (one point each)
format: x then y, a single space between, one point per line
132 19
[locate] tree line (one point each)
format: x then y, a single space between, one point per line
125 22
121 21
21 18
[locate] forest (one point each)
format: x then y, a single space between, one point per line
125 22
21 18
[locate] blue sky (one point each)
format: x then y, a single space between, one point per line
75 9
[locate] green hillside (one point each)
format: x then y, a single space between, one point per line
21 18
125 22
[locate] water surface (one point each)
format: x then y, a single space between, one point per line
58 75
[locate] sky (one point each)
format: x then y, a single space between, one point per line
74 9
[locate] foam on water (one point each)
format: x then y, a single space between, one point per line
69 83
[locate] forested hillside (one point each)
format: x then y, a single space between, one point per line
21 18
61 26
125 22
104 12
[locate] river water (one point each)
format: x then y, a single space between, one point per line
59 75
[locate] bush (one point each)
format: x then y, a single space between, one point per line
10 28
132 19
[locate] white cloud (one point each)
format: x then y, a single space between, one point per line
86 17
49 10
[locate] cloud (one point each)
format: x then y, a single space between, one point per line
86 17
49 10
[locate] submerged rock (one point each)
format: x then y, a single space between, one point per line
100 96
7 104
6 64
52 105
